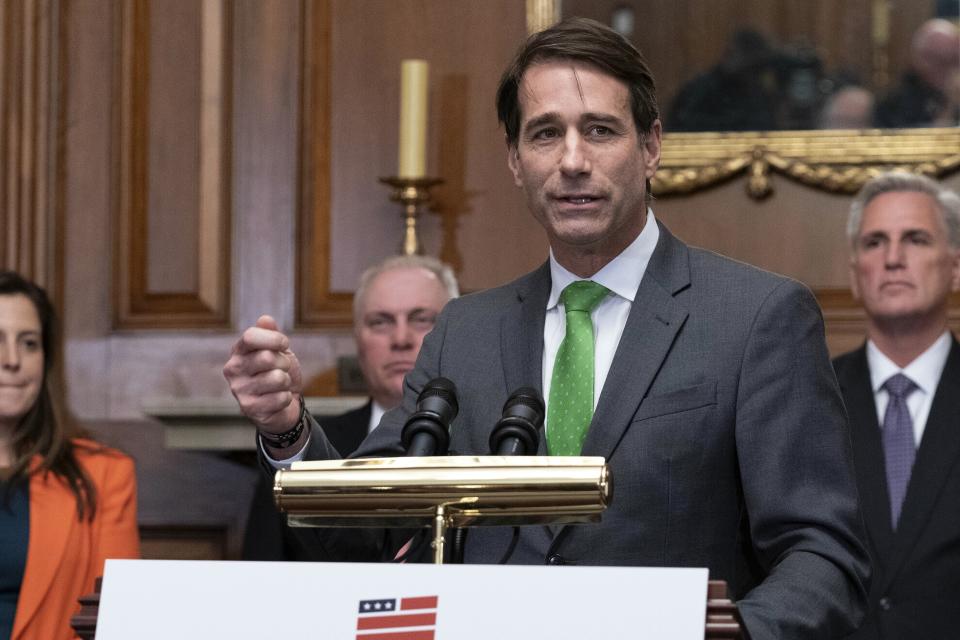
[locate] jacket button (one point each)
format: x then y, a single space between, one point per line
555 559
885 603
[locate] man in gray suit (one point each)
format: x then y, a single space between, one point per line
902 391
704 383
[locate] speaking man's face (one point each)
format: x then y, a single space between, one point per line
399 308
580 160
903 267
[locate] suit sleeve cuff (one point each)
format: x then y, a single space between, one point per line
285 463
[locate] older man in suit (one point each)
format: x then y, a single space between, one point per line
704 383
902 391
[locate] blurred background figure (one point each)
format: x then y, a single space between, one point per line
66 503
395 306
756 86
849 107
737 94
929 93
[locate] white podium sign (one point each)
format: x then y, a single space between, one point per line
149 599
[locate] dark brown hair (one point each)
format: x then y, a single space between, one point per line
582 40
42 431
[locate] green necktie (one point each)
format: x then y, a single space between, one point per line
571 387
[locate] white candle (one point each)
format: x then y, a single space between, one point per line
413 119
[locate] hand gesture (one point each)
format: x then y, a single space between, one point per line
265 378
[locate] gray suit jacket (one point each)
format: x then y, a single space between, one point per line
721 422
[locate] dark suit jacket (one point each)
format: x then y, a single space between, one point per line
916 586
267 536
720 420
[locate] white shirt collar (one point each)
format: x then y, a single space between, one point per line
622 275
925 370
376 412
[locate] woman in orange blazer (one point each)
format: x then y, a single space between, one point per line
66 503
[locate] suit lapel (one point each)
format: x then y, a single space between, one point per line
939 452
654 320
357 432
521 333
521 351
52 512
867 451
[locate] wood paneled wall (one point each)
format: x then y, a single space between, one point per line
198 164
317 304
31 68
220 160
467 45
172 137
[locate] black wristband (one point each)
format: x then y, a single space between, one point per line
287 438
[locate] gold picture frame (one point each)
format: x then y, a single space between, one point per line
838 161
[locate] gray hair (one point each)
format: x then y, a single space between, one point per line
948 202
443 272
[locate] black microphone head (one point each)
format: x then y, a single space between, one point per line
526 402
439 396
427 431
517 431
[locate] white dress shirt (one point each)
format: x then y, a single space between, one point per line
925 372
622 277
376 412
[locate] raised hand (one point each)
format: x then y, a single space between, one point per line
265 378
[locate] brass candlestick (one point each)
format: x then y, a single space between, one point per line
411 193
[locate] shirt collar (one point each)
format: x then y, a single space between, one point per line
622 275
925 370
376 412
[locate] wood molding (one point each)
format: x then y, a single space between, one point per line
136 306
317 305
31 115
832 161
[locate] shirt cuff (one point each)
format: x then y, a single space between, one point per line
285 463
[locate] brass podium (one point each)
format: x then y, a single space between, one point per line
464 491
451 492
444 492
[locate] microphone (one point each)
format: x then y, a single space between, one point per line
427 432
517 431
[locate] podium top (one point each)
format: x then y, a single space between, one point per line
453 462
473 490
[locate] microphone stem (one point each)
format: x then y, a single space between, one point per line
458 545
511 447
439 534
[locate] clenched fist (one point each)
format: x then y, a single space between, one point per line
264 376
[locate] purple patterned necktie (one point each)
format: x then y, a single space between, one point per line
899 449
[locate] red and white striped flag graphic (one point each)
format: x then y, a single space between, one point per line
388 619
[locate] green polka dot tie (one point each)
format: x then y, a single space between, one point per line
571 386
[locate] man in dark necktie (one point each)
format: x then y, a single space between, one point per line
902 391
